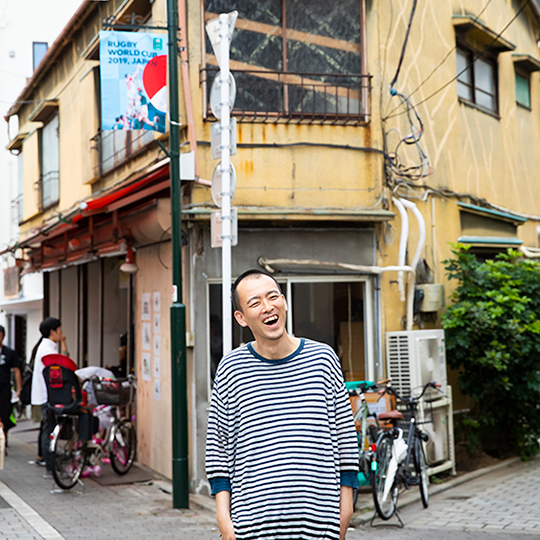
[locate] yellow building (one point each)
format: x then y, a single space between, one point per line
324 151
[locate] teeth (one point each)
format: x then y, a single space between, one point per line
270 320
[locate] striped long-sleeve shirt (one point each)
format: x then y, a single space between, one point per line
281 438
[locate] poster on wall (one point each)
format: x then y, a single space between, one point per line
157 345
133 69
157 367
157 323
146 337
145 306
157 389
157 302
146 367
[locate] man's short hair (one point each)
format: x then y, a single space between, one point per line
252 272
49 324
2 330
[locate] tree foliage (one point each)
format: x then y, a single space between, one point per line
493 337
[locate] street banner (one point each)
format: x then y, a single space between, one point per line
133 80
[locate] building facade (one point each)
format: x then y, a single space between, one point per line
23 41
329 165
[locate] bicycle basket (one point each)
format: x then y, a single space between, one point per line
113 392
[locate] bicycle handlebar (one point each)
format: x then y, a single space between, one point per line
410 400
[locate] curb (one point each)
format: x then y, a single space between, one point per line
410 498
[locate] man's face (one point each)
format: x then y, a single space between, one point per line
264 308
56 335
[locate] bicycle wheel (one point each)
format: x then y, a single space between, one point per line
420 465
123 447
69 459
386 508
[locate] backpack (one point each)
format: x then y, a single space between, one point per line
26 390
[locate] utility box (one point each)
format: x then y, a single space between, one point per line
434 298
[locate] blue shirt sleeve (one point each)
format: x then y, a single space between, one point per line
350 479
220 484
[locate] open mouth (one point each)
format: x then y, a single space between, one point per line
273 319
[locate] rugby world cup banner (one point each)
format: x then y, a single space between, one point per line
133 80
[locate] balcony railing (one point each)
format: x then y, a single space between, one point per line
49 189
115 147
277 96
17 209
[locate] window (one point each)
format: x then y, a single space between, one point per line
477 82
523 91
334 310
294 57
39 50
50 177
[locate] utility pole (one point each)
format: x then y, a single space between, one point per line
178 310
220 31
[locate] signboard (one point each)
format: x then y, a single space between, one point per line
216 228
133 80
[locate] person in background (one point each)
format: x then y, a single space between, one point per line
51 338
8 363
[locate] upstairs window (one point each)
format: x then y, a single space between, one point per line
295 58
49 180
477 80
523 90
39 50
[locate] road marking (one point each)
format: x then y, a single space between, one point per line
44 529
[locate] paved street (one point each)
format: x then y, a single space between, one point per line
502 505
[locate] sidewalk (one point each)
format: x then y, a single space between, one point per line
32 507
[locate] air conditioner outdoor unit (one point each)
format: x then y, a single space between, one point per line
414 358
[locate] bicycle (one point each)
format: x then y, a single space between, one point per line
71 455
368 433
397 462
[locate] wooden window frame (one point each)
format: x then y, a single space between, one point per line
472 56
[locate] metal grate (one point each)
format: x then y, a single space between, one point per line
276 96
399 365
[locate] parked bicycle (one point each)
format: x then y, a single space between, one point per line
398 462
368 433
71 441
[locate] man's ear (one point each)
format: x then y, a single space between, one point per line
239 316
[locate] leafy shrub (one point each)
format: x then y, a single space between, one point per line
493 338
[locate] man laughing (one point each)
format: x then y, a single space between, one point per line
281 452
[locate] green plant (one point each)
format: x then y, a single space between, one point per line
493 337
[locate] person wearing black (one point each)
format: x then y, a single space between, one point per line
8 363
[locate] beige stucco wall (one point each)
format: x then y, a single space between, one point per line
154 416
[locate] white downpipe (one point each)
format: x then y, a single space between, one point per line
530 252
422 230
402 244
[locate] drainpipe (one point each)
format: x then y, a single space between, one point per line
402 244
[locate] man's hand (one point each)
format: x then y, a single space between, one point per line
345 510
223 515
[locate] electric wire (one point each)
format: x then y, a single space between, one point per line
404 46
476 56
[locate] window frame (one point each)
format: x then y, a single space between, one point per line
373 362
472 56
53 202
365 90
34 43
527 76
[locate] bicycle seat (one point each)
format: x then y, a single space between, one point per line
390 415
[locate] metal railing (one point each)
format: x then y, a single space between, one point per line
17 209
115 147
49 189
277 96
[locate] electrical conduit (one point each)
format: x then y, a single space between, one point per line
402 244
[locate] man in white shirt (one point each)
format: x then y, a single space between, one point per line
52 335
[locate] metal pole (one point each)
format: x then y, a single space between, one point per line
178 310
226 182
